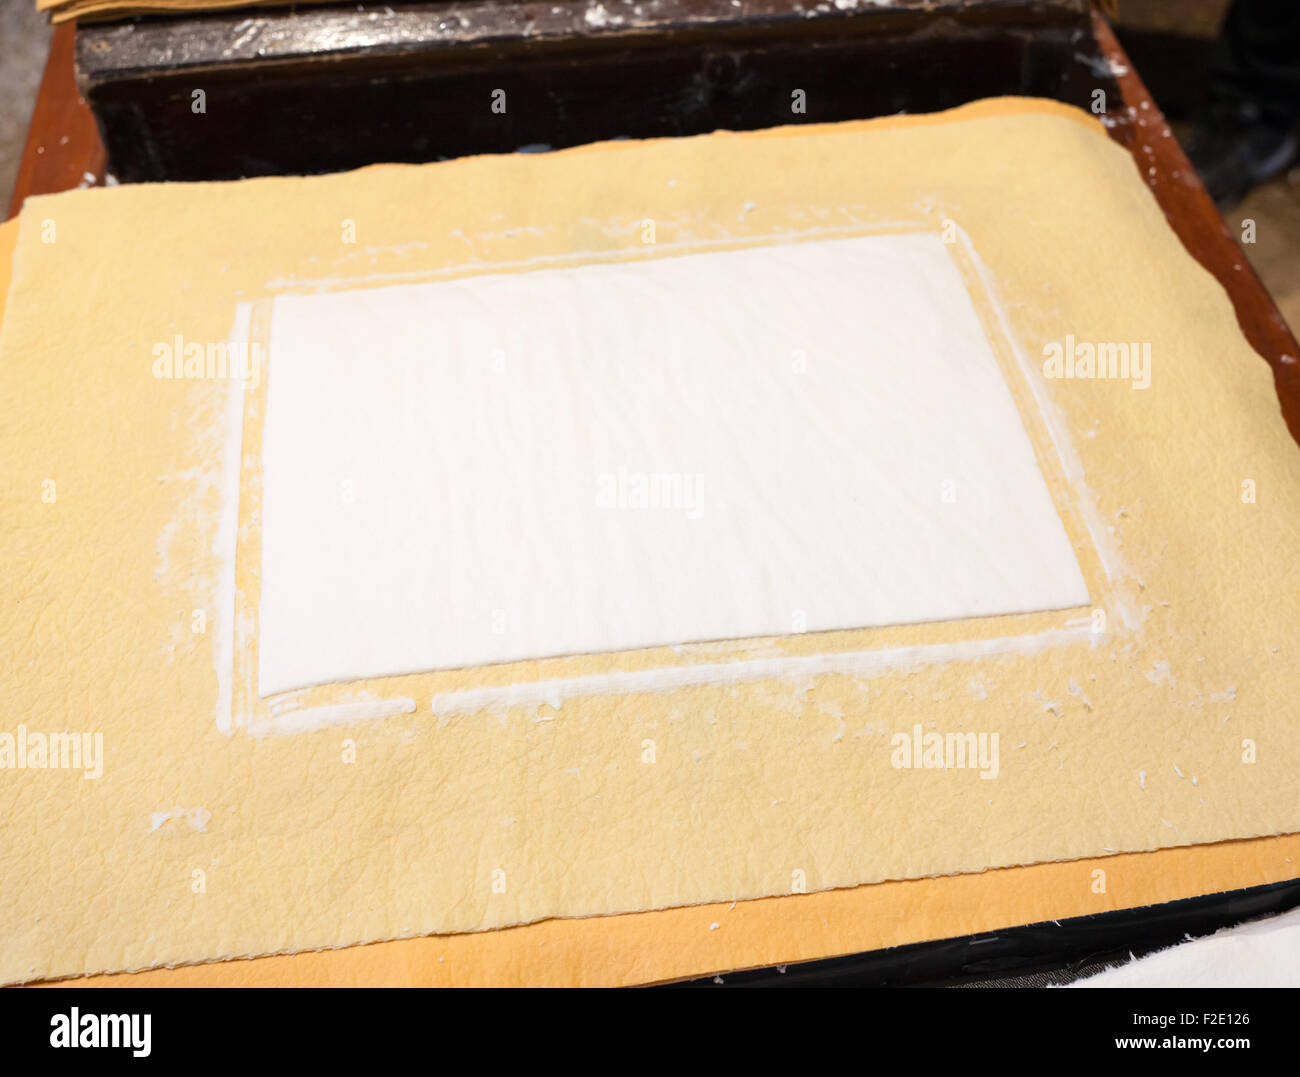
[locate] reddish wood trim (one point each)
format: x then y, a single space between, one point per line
62 141
1194 218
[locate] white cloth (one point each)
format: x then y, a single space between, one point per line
1261 953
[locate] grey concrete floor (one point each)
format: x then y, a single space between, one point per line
24 42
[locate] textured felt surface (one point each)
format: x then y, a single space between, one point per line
1128 739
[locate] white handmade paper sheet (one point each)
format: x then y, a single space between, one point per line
723 445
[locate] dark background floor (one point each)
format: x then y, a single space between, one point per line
1169 43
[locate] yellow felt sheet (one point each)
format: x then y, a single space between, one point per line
753 783
668 944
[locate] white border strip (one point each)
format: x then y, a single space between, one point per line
672 249
554 693
311 718
225 543
1112 562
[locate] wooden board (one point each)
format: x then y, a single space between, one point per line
63 144
1138 125
418 81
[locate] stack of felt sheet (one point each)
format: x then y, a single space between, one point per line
63 10
308 630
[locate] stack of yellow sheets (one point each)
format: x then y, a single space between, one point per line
63 10
666 811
